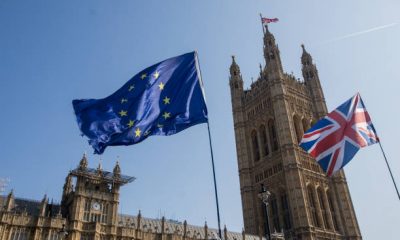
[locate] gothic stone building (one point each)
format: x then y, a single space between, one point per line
88 211
269 121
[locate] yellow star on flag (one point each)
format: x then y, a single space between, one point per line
130 123
123 113
144 75
124 100
161 86
156 74
166 115
138 132
166 100
131 87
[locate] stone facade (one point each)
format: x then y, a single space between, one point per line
88 211
269 120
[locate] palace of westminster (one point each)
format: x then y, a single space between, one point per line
269 120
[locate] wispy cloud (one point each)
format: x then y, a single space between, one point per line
362 32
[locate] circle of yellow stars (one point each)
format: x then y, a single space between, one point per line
166 100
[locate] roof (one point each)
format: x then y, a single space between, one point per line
30 207
109 176
173 226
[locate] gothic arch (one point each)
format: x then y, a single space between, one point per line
255 145
272 135
264 140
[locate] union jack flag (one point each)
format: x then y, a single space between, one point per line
335 139
265 20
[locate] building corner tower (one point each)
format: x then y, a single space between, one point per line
269 120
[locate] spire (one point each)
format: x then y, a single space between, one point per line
43 205
99 168
10 201
225 232
83 163
311 80
272 55
235 70
117 170
306 58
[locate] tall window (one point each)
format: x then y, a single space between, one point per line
333 212
297 128
86 212
20 234
264 141
272 135
104 212
256 148
287 222
323 208
275 214
311 201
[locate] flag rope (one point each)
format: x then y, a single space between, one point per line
390 171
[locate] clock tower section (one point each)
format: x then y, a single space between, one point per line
90 201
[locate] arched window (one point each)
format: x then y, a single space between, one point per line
323 208
272 135
287 221
264 141
256 148
311 202
274 213
297 128
332 209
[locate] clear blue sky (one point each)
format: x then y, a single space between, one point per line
54 51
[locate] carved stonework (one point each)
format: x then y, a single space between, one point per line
304 203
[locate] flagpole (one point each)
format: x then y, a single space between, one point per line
215 181
211 149
390 171
262 25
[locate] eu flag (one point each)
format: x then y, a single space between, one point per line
163 99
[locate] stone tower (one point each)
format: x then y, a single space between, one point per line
90 201
269 120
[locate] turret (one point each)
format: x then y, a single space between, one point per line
235 80
68 187
272 56
311 79
10 201
83 164
117 170
43 206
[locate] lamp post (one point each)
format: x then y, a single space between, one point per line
264 196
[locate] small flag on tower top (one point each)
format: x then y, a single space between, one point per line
265 20
335 139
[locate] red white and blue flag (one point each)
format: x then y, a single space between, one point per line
265 20
335 139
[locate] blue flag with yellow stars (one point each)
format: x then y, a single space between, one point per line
163 99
